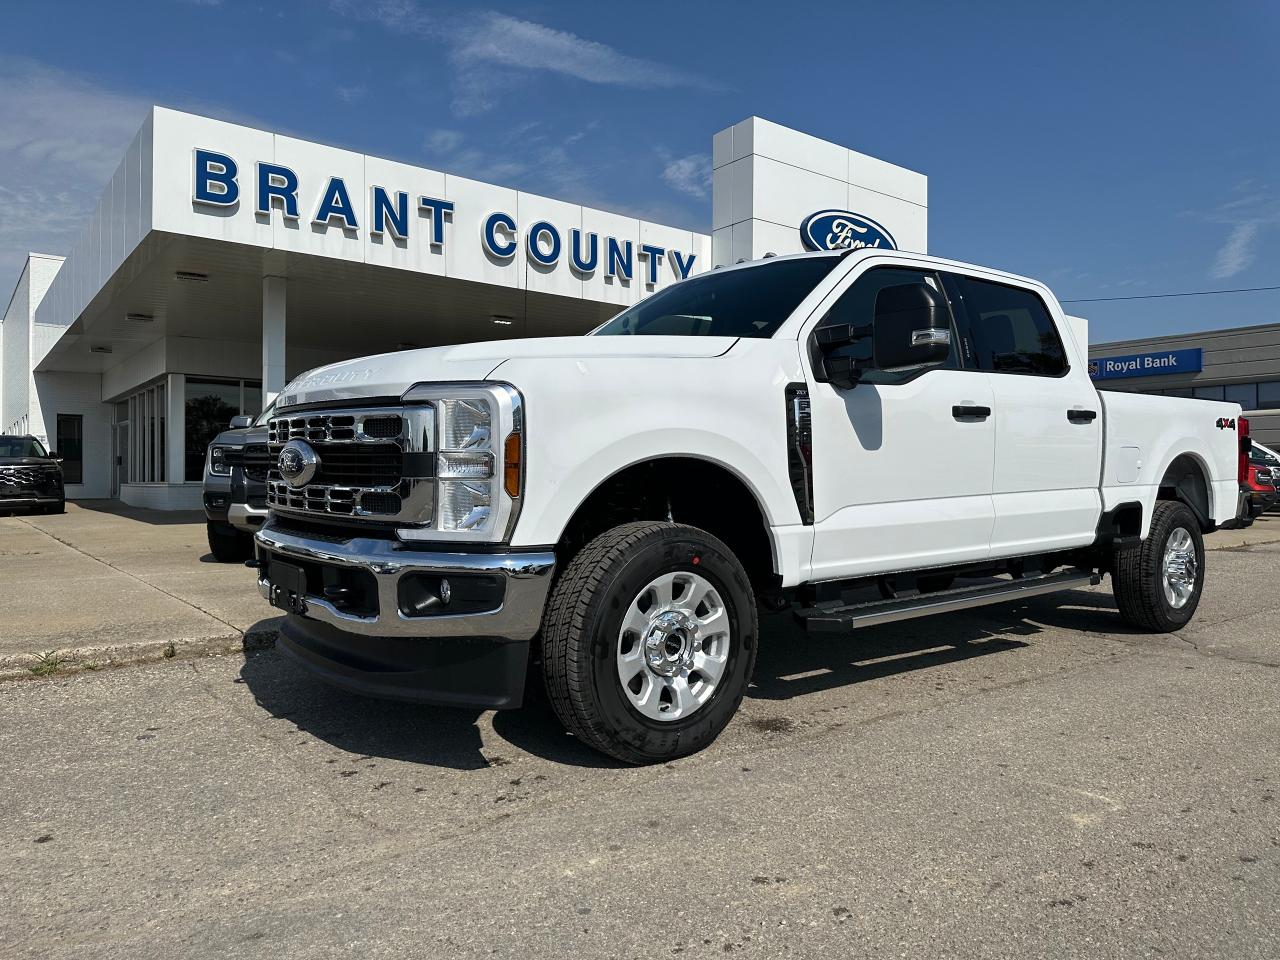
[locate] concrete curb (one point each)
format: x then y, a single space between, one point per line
66 661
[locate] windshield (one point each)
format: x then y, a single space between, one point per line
265 415
21 447
1264 456
733 303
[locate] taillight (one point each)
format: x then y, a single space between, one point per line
1246 447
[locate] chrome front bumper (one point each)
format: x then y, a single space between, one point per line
526 577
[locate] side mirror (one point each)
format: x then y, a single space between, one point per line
242 421
911 327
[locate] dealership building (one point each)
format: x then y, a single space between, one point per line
223 261
1239 364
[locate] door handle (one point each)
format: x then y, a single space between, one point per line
1082 416
963 411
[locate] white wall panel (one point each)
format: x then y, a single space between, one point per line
465 256
599 286
416 251
774 178
670 239
565 217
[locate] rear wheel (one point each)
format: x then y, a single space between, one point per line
649 640
227 544
1158 584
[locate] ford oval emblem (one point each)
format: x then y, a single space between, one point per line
843 230
298 463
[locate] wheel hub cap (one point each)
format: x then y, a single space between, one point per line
673 646
1180 568
670 643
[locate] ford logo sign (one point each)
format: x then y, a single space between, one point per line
843 230
298 463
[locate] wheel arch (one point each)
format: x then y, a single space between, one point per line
697 491
1186 478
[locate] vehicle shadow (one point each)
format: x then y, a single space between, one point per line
160 518
790 665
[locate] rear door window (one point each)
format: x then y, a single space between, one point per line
1010 329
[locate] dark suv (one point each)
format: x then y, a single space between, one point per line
30 476
235 487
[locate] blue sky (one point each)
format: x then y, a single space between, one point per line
1110 149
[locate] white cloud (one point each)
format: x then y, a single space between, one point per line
493 53
495 38
1239 252
353 93
443 141
61 138
690 175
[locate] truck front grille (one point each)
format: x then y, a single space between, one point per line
371 463
257 461
16 480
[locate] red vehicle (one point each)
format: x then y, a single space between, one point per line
1263 477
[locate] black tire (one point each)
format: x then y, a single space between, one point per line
59 507
227 544
580 637
1138 575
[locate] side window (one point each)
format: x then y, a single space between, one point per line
857 305
1010 329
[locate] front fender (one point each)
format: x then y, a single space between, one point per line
589 419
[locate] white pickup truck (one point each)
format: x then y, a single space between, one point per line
862 436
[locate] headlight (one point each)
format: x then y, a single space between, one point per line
479 446
218 461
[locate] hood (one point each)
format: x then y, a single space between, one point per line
241 437
389 375
27 461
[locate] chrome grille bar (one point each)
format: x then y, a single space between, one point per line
364 464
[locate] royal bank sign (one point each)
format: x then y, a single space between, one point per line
398 215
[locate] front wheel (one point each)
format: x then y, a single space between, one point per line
649 639
227 544
1158 584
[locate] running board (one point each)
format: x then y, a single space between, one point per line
837 619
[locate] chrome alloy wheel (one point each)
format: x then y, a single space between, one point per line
673 646
1179 568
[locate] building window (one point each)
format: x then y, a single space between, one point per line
210 405
70 446
1245 394
1268 395
1208 393
142 444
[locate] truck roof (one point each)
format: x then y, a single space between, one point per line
867 252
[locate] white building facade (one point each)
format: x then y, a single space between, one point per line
223 261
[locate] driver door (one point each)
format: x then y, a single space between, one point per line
902 461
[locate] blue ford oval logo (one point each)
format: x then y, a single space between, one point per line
843 230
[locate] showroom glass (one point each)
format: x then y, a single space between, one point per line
210 405
753 302
70 446
857 306
1245 394
1010 328
21 447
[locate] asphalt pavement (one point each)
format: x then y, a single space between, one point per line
1026 780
